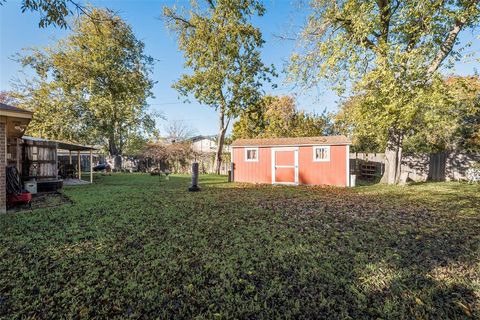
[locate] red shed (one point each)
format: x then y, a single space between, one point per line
308 160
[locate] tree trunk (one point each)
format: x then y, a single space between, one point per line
222 129
393 158
114 152
117 163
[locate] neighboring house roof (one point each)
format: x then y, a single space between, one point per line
198 138
303 141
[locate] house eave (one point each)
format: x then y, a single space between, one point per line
14 114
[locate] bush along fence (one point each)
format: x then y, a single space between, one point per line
442 166
205 160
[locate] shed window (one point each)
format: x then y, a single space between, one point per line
321 154
251 154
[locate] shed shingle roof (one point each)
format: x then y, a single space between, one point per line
324 140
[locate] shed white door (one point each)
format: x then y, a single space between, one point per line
285 165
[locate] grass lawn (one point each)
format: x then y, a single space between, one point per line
129 246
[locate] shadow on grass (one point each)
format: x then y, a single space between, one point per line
420 237
366 182
131 247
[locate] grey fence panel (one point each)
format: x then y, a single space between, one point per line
443 166
437 166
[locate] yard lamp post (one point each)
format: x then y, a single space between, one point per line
194 186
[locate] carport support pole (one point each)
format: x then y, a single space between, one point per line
194 186
91 166
70 156
79 165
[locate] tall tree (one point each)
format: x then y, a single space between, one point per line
278 117
349 122
91 86
454 122
252 123
390 52
55 12
220 46
450 119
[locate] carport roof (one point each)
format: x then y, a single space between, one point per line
287 142
64 145
11 111
7 107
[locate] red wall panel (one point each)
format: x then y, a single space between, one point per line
333 172
253 171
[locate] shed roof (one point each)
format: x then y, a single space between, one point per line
302 141
63 145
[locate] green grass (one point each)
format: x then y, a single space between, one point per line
130 246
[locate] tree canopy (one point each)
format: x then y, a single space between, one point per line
173 156
56 12
454 122
450 120
388 52
92 86
7 98
278 116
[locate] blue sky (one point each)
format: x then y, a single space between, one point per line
20 30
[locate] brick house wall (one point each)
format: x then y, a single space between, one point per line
3 164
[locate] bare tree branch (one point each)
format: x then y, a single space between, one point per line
178 130
211 3
172 16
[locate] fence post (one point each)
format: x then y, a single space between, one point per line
230 173
79 163
91 166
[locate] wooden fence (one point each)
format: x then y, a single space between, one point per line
39 160
444 166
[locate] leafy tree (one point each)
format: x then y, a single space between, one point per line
313 124
7 98
92 86
135 144
389 51
450 119
220 46
455 121
55 12
279 117
173 155
252 123
346 123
